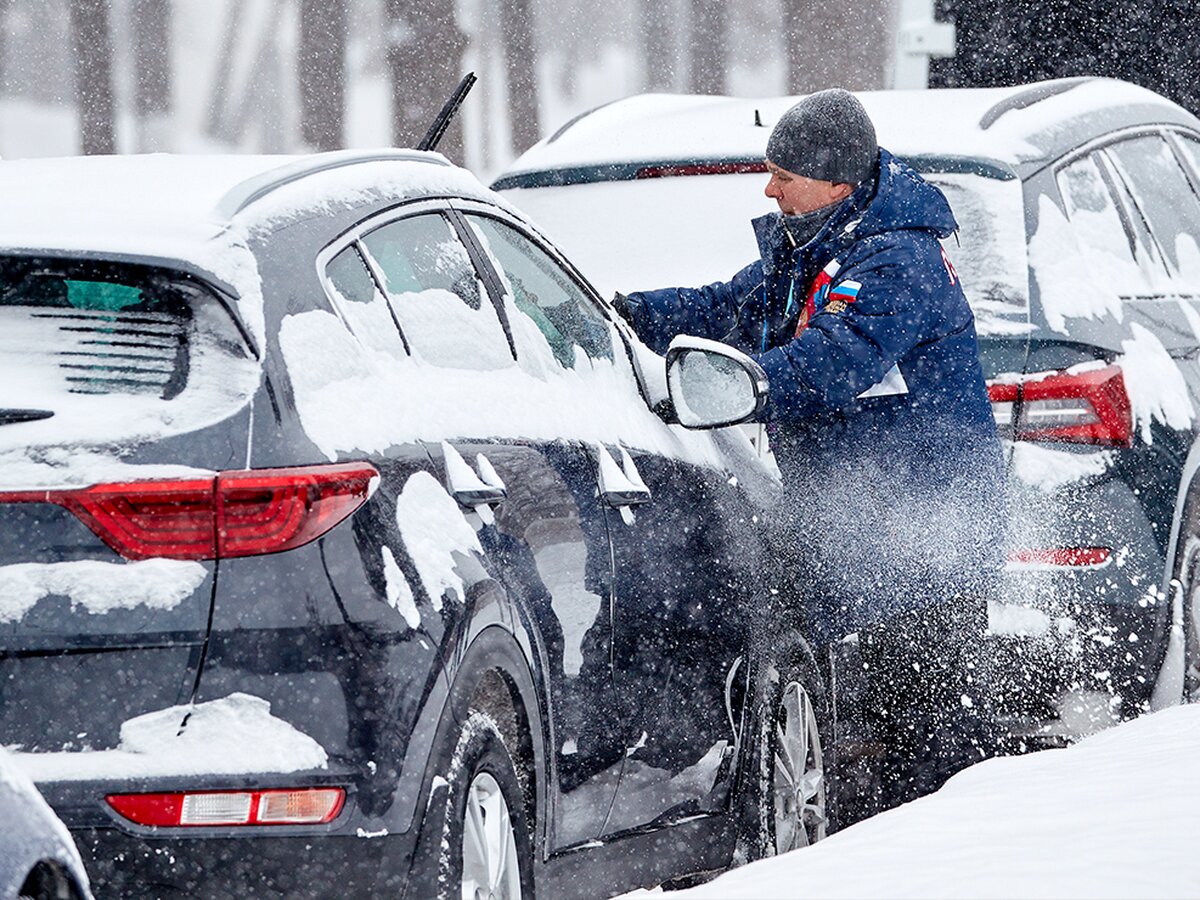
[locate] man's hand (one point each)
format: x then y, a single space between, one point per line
622 307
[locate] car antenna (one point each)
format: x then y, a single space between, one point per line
442 122
757 120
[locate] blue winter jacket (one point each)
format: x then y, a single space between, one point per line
880 419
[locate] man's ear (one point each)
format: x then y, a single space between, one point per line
842 190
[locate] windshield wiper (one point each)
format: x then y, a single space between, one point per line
13 416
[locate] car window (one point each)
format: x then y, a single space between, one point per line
436 294
1164 195
1097 225
565 323
364 308
1191 149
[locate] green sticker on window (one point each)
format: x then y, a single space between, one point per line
102 295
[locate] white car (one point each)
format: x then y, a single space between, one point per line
38 859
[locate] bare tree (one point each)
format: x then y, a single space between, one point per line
657 44
709 47
424 55
322 69
838 44
516 24
92 46
151 39
4 4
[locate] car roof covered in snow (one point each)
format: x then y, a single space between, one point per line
145 204
200 212
1019 129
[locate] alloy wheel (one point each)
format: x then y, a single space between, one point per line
798 788
490 868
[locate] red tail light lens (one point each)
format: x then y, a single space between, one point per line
1060 558
299 806
236 513
269 510
729 167
1090 407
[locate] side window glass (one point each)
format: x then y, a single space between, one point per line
551 316
365 310
1097 225
434 289
1161 190
1191 149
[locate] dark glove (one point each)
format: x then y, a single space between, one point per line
623 308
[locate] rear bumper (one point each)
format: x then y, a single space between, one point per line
354 856
123 865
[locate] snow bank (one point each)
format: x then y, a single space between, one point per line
234 735
1113 816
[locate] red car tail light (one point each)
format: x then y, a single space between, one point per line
729 167
236 513
1089 407
1061 557
297 806
269 510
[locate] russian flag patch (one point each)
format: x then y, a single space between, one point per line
846 291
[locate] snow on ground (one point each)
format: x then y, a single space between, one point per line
1112 816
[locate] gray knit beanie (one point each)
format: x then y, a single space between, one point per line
828 136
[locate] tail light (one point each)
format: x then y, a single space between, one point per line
1060 558
300 806
236 513
1089 407
726 167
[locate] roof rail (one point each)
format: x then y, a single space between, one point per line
1033 95
254 189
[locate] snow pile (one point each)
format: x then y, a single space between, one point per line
1048 469
234 735
437 535
1157 390
98 587
1113 816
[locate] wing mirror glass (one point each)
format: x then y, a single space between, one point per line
711 384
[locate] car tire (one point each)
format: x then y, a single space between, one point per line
785 784
483 845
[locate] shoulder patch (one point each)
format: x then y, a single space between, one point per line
845 291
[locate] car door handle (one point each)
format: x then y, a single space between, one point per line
621 485
471 489
479 496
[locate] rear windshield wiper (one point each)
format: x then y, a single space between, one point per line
12 416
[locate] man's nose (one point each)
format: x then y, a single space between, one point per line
769 190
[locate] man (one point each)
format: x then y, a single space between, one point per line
879 420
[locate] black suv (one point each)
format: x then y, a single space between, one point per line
351 546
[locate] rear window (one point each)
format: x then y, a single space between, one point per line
107 342
989 250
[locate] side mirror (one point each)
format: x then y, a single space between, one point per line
711 384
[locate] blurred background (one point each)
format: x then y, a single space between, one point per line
124 76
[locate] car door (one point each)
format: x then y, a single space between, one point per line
680 563
532 508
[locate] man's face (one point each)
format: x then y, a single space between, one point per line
797 195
